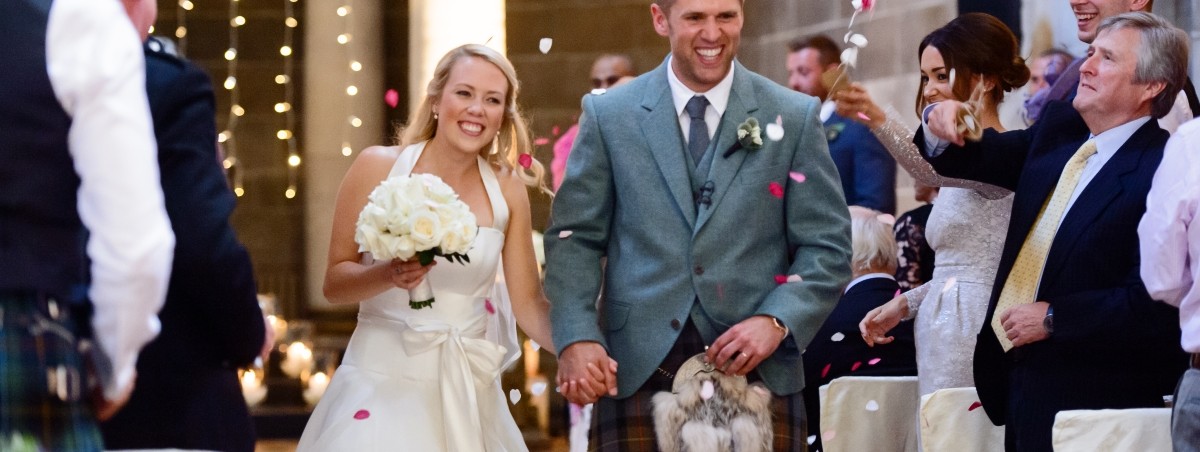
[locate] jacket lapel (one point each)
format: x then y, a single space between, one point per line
660 126
742 104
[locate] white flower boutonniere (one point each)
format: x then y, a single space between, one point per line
749 136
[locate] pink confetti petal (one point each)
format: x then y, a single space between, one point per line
886 218
855 366
837 337
874 361
897 293
525 160
761 390
794 278
487 304
863 116
392 98
872 405
798 177
362 414
541 141
780 279
565 234
828 435
974 406
554 131
776 189
825 371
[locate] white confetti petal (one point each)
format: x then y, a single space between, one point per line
565 234
794 278
857 4
951 77
534 345
812 439
774 132
706 390
872 405
846 39
837 337
544 45
599 91
969 121
950 282
850 56
858 40
514 396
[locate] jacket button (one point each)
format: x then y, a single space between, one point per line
699 270
675 323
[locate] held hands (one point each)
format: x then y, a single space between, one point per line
743 347
1024 323
855 103
586 373
879 321
943 121
407 274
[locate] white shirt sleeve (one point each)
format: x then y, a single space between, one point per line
934 145
1170 207
97 69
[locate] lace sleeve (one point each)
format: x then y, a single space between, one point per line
914 298
898 140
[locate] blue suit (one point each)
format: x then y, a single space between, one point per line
1112 346
629 195
867 170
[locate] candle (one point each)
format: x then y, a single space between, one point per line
298 360
252 388
316 388
279 325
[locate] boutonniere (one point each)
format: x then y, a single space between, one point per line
749 136
834 131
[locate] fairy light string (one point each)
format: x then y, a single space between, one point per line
228 137
287 134
346 39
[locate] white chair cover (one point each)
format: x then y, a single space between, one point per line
869 413
953 421
1140 429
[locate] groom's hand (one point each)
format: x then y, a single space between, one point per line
743 347
585 373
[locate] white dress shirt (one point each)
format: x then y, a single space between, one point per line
866 277
1168 242
97 69
718 99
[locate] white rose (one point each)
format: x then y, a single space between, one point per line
425 229
453 241
438 191
400 247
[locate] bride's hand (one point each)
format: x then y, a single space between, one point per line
877 323
407 274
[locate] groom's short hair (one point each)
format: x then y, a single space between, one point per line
666 5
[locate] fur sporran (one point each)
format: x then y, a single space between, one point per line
710 411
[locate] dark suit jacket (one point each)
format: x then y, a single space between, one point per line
187 393
1113 346
826 359
867 169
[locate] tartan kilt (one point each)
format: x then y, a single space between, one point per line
627 425
37 354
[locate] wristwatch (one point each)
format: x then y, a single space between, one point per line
778 324
1048 321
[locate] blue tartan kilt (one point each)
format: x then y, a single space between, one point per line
42 378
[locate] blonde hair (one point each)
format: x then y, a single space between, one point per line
872 241
511 142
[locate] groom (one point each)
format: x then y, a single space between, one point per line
739 245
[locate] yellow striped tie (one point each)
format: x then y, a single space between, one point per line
1022 283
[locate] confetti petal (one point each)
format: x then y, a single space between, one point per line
761 390
872 405
554 131
858 40
950 282
846 39
974 406
857 4
863 116
776 189
534 345
850 56
855 366
392 97
487 304
951 76
780 279
544 45
828 435
825 371
896 294
706 390
798 177
874 361
599 91
774 132
812 439
868 4
886 218
794 278
541 141
720 291
565 234
525 160
837 337
362 414
514 396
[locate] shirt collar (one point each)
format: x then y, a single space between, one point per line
718 96
827 109
866 277
1109 141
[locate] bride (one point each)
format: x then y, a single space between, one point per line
427 379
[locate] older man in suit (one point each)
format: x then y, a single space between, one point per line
188 396
1071 325
742 244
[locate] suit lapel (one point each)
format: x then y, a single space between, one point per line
742 103
660 126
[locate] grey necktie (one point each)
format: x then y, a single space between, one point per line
698 132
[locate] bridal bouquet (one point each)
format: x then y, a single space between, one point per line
416 215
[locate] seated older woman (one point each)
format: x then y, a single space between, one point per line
838 349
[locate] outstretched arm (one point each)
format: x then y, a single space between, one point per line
520 266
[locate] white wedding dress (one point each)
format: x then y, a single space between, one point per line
428 379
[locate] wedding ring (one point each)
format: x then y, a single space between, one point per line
745 355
